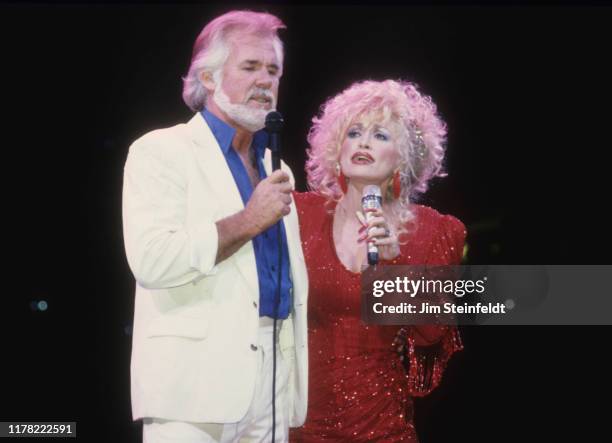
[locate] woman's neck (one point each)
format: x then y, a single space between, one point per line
350 202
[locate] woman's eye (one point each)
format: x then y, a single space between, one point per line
381 136
353 133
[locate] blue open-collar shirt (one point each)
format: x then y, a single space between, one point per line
266 243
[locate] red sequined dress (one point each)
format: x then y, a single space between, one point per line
358 387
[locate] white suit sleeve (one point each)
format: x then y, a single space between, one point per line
161 251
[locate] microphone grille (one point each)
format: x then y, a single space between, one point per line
274 121
373 190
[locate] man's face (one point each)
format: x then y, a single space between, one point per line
252 72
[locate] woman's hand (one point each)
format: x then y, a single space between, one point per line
377 231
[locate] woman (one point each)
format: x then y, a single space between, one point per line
386 134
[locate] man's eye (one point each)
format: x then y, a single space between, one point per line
381 136
249 68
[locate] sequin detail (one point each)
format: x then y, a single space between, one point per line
358 387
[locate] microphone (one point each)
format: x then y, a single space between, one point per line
371 199
274 126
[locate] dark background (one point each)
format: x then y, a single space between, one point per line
525 92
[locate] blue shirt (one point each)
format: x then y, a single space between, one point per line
266 243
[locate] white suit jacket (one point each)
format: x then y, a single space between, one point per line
194 322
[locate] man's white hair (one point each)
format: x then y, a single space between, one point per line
212 48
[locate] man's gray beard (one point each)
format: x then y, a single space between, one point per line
251 119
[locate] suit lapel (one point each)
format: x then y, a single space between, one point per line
213 165
294 243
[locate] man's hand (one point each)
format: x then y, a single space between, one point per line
269 202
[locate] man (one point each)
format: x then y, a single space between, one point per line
201 208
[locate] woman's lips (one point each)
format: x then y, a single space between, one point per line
362 158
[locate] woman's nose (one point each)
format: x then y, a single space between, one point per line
364 142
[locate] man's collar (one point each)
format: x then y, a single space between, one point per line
260 142
224 134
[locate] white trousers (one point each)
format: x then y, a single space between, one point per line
255 426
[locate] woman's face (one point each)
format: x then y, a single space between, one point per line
369 152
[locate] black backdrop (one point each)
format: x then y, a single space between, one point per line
524 90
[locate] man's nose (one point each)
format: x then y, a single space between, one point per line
264 81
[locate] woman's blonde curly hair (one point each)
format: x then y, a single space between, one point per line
421 143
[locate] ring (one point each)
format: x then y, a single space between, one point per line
387 232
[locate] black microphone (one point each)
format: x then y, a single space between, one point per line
274 126
371 199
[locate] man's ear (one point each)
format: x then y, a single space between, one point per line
207 80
